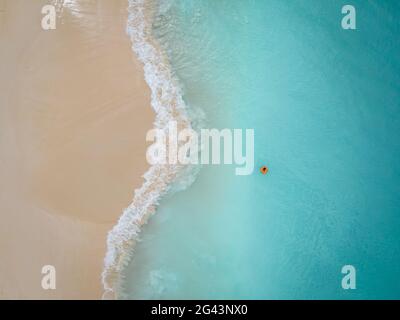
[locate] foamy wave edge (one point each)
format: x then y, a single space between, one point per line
168 104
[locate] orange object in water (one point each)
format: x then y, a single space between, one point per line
264 170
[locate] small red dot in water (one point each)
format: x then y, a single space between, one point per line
264 170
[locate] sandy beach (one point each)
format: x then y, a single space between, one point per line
74 112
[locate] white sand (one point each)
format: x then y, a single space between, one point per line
74 111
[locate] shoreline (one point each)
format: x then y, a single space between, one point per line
74 111
168 105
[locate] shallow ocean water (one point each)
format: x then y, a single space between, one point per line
324 103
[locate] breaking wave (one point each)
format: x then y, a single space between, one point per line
168 104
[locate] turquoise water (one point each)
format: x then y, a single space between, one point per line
325 106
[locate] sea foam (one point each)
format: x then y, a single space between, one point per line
168 104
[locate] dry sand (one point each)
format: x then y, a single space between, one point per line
74 111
